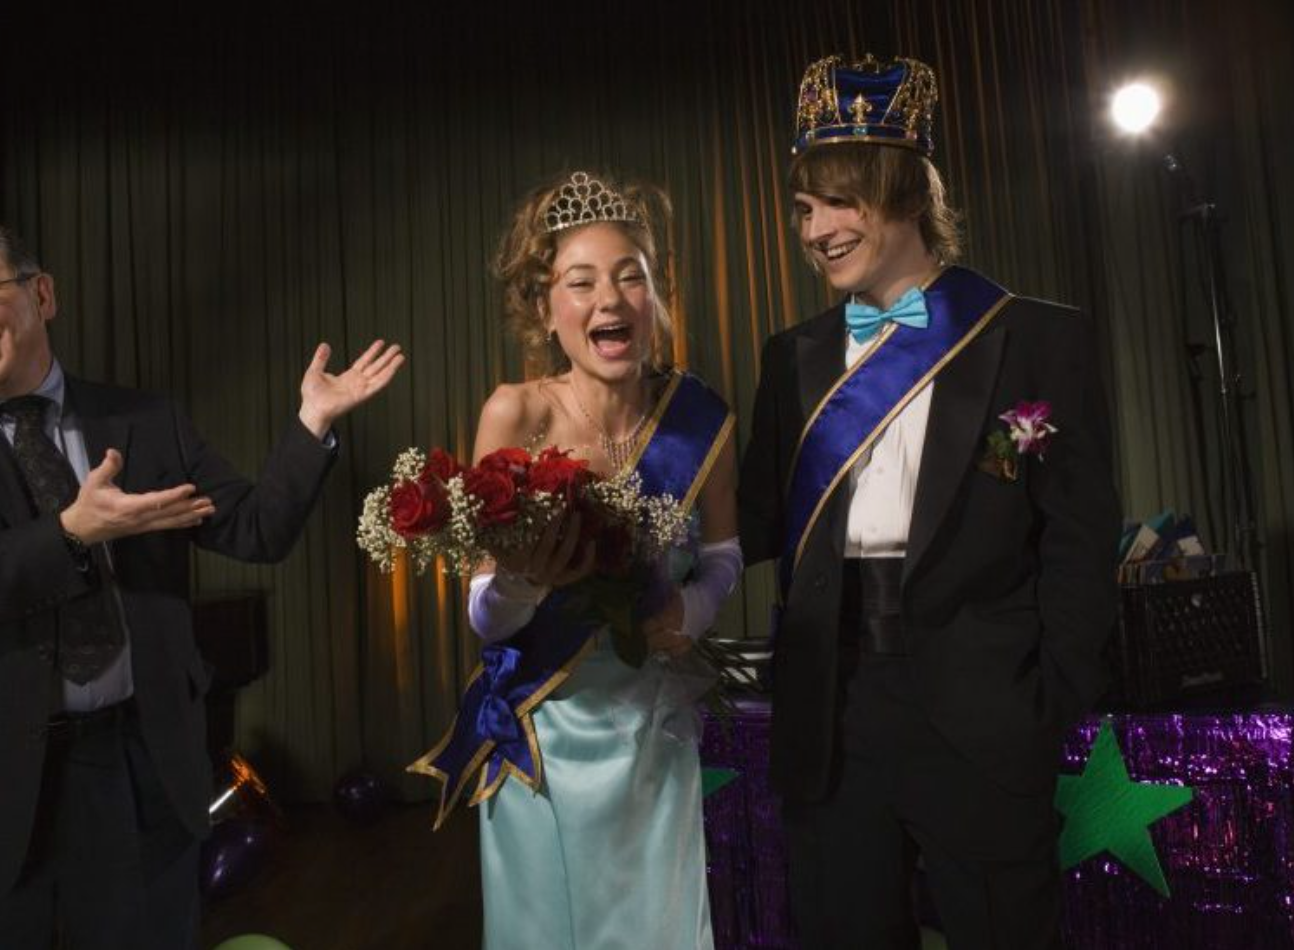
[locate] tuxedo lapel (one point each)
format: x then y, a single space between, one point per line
820 358
957 412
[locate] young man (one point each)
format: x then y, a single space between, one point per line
102 492
947 575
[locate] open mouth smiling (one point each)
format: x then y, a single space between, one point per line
612 339
838 251
614 332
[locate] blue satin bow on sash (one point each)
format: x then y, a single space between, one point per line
495 718
865 321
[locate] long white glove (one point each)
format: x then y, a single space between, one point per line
717 569
500 604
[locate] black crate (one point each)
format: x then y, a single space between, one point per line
1185 639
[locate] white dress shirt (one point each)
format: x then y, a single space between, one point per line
116 682
883 483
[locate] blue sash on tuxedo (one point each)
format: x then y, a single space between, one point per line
870 395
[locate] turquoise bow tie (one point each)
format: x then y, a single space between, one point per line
865 322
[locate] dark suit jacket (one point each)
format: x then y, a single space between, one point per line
253 522
1008 587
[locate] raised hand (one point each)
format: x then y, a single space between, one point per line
325 397
103 512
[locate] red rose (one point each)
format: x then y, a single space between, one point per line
418 508
496 492
513 461
558 474
441 465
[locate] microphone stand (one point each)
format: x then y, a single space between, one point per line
1236 473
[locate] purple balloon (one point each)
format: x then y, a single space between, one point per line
361 796
232 855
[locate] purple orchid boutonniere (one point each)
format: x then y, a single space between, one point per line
1028 432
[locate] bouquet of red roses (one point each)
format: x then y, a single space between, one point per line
436 507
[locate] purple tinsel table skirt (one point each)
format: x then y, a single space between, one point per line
1228 856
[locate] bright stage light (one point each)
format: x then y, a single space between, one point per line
1135 107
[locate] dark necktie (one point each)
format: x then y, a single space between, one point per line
90 631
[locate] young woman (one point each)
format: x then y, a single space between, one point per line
591 831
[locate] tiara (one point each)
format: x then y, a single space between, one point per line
886 103
585 200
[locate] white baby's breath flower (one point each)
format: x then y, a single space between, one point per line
375 535
408 465
666 521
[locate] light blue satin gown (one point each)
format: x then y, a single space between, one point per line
610 853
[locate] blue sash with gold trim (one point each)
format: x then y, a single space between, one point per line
493 735
856 410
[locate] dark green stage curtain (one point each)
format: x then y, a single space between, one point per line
215 193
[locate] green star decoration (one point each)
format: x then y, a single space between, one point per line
1106 811
714 779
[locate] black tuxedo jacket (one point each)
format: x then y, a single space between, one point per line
1008 587
253 522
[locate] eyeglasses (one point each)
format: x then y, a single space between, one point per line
20 279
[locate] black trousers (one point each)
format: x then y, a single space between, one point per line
902 793
110 866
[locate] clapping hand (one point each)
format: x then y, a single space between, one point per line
326 397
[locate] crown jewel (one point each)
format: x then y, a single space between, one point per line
585 200
887 103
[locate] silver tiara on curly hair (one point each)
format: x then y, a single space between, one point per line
585 200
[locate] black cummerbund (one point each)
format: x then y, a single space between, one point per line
870 617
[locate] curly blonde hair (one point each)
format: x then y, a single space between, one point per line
524 265
897 182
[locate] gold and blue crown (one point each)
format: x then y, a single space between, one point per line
885 103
